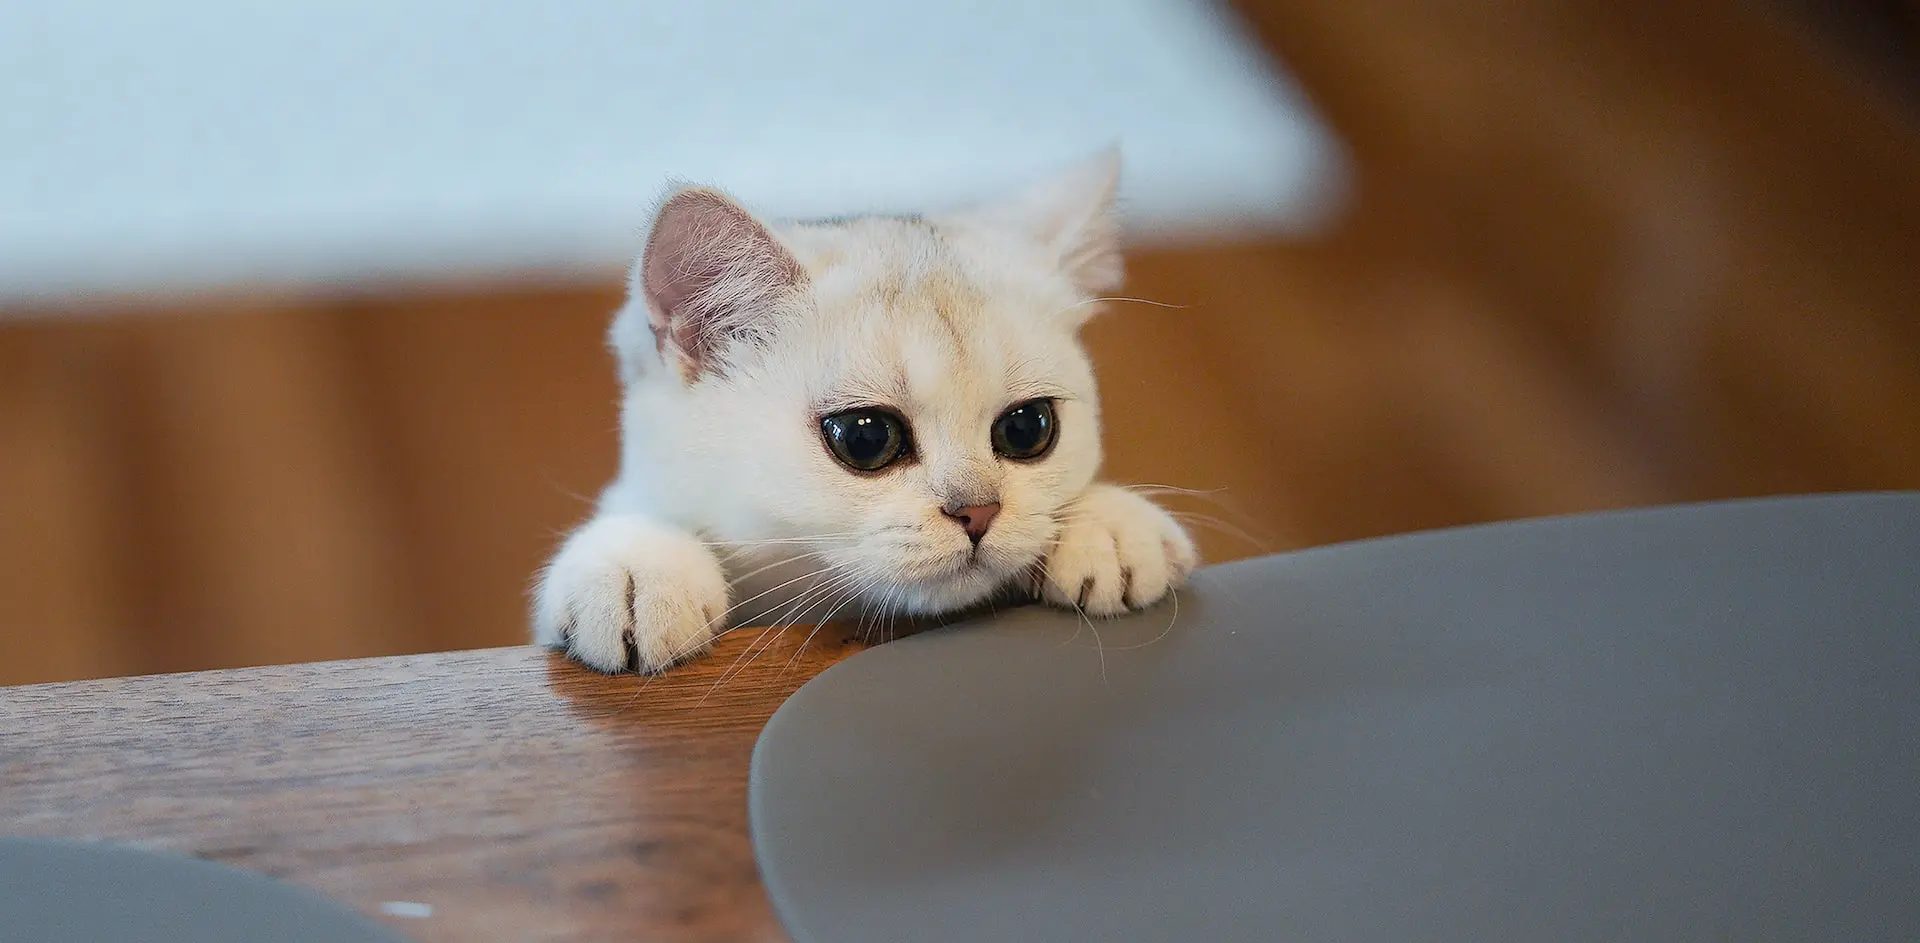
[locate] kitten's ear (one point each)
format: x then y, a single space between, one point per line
712 275
1072 217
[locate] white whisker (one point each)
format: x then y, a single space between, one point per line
1141 301
1217 525
1099 645
766 541
793 611
1175 596
775 564
1152 488
852 596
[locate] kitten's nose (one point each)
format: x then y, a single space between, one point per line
975 518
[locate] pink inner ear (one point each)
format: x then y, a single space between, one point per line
711 273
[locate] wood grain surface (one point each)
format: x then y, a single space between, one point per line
522 797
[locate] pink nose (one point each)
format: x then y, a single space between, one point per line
975 518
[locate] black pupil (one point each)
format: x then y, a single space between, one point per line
865 438
1026 429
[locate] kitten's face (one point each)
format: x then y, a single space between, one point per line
917 374
903 333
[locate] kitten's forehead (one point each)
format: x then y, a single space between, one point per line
928 346
915 327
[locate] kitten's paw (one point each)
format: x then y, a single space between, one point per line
1117 552
628 594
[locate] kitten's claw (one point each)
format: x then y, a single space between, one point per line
1117 552
628 594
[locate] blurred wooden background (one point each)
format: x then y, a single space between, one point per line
1602 254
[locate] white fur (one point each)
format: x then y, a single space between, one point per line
949 321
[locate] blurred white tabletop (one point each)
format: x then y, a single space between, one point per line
154 147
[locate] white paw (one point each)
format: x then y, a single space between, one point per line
1117 552
628 594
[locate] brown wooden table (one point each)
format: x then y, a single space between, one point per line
518 795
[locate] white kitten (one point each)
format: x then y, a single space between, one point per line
883 414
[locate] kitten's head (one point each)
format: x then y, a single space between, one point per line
903 398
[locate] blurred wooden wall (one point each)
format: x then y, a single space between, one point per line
1602 254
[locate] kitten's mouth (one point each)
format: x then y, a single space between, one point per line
977 562
960 564
965 577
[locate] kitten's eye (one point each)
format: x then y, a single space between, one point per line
1026 431
865 439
